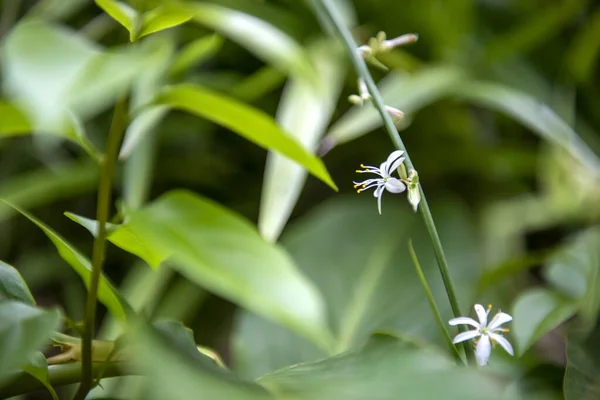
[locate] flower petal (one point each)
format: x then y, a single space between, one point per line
464 320
379 193
394 185
481 314
483 350
499 319
392 163
503 342
461 337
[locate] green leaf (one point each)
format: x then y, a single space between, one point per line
12 285
369 286
222 252
261 38
12 121
385 368
535 313
583 367
23 331
177 370
119 11
107 294
248 122
531 113
195 53
163 17
304 111
407 92
142 125
583 54
38 368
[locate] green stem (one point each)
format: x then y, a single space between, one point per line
436 312
107 168
59 375
327 11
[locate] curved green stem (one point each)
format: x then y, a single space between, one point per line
327 11
107 169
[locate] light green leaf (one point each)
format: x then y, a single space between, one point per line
248 122
177 370
23 331
304 111
119 11
12 285
385 368
142 125
406 92
12 121
222 252
38 368
107 294
163 17
535 313
195 53
261 38
368 286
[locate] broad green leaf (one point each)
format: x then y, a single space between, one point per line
248 122
385 368
163 17
222 252
535 313
195 53
38 368
107 294
23 331
583 367
119 11
177 370
361 264
257 36
12 121
12 285
304 111
536 116
407 92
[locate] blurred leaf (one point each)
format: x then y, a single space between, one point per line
531 113
583 54
38 368
13 287
119 11
43 186
258 84
195 53
12 121
222 252
385 368
165 16
107 294
582 376
537 312
248 122
261 38
176 370
23 331
140 127
369 285
406 92
304 111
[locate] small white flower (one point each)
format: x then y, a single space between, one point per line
385 180
487 333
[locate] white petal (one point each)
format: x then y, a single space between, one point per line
503 342
394 185
393 162
379 193
464 320
461 337
483 350
481 314
499 319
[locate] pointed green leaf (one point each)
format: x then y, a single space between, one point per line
23 331
12 285
119 11
38 368
163 17
247 121
196 52
107 294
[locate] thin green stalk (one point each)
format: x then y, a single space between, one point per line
327 11
434 308
107 168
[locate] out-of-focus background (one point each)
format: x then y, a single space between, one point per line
501 100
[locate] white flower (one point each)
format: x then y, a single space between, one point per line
385 181
487 333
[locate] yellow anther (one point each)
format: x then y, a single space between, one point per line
355 186
363 166
506 330
489 307
359 170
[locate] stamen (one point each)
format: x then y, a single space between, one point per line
505 330
489 307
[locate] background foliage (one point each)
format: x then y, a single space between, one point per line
502 124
